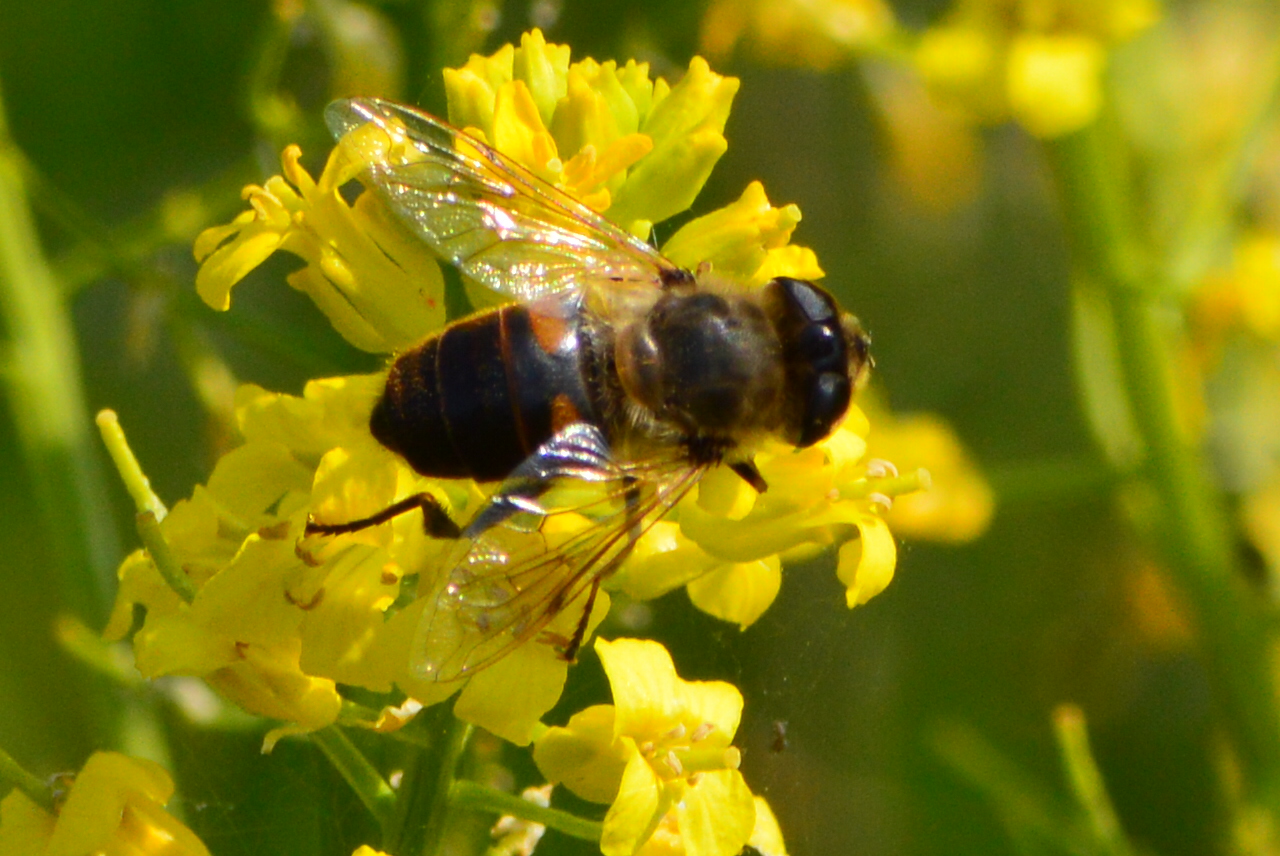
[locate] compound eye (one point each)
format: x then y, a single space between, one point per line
822 347
828 400
813 302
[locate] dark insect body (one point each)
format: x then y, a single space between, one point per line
603 394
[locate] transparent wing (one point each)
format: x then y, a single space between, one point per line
497 222
564 519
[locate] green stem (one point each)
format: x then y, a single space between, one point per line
1193 531
12 773
47 402
135 480
473 797
162 555
1086 781
1030 811
363 777
438 815
150 509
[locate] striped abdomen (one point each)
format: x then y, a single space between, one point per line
476 399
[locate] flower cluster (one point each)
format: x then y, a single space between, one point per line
1038 63
813 33
278 620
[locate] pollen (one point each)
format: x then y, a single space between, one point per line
878 468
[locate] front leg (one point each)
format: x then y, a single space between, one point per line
750 474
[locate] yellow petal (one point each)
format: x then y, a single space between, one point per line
866 564
717 814
140 584
583 755
739 593
231 263
639 807
651 699
645 686
471 89
25 828
767 835
343 619
269 683
793 261
735 238
330 412
542 67
510 697
518 131
662 560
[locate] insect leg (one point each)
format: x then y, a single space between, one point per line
435 521
747 470
570 651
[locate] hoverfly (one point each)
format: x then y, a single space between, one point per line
599 397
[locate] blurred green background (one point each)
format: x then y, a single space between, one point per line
141 120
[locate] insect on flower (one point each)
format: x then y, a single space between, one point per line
599 397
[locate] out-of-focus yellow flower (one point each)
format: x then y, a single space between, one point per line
1054 83
1244 297
115 808
1155 612
366 850
959 503
933 153
1235 344
1038 63
812 33
663 746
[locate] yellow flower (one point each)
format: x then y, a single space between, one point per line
727 543
380 287
1038 63
610 136
663 746
818 34
115 808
